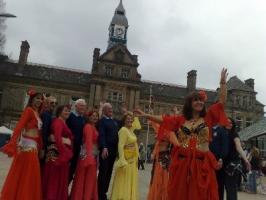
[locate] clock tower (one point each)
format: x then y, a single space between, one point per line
118 27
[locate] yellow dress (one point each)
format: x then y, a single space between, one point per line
125 185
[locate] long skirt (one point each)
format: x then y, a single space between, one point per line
192 175
125 184
55 181
159 182
23 181
85 183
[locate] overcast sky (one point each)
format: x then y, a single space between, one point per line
171 37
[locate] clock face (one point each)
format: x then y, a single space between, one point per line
119 32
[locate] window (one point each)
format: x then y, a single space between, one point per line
116 99
245 99
248 122
239 123
108 70
125 73
238 100
115 96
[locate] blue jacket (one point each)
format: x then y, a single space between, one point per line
108 133
75 124
220 142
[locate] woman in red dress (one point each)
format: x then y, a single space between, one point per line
158 189
192 168
85 180
23 181
59 153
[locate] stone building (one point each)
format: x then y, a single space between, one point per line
114 77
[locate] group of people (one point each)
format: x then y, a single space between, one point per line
60 157
51 152
192 159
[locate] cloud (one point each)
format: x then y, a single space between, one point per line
171 37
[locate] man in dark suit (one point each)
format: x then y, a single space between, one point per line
76 122
46 117
219 146
108 144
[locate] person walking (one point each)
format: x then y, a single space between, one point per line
142 156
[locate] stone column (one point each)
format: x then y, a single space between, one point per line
98 95
131 99
137 96
92 94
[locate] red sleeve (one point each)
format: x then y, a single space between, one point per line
170 123
216 116
64 153
88 137
11 147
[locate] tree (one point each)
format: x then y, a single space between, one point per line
2 27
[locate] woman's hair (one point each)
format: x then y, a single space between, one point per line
233 129
89 114
187 108
60 109
255 152
124 118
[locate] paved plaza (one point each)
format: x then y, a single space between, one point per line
144 178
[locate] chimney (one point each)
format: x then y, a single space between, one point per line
250 83
191 80
24 52
135 57
96 55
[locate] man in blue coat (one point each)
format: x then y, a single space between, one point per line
108 144
75 123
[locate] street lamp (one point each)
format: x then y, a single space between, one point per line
7 15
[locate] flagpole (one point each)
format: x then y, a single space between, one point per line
148 128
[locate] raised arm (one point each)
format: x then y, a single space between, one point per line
155 118
223 88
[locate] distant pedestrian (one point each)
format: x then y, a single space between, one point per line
254 158
142 156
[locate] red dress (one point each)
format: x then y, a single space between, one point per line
56 168
158 189
85 180
192 172
23 181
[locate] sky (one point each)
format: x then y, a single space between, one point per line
171 37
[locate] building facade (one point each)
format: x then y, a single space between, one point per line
114 78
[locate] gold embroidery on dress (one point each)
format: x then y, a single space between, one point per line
190 129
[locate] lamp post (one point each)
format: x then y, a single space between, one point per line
7 15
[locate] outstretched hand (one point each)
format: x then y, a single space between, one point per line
224 75
139 113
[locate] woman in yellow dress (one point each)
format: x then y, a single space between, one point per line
125 185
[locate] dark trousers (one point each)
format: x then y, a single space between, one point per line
220 176
141 164
74 161
231 186
105 173
227 182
